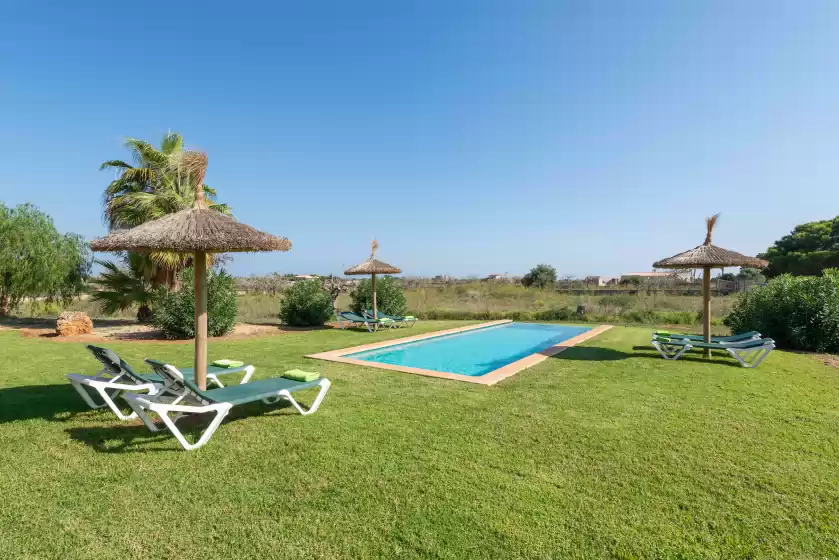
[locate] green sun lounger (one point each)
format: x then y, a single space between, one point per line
192 400
742 337
371 324
400 320
749 353
117 376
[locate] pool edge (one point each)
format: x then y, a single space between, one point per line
490 378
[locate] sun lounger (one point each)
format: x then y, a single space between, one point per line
117 376
749 353
370 323
724 340
400 320
192 400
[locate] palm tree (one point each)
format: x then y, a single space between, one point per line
155 186
121 287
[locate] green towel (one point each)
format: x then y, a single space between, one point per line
300 375
228 363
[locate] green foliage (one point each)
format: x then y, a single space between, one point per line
798 312
306 304
174 311
631 281
124 285
389 296
643 317
540 276
36 260
806 251
157 186
751 275
727 276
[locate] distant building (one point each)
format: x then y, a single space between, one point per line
305 276
600 281
653 276
496 277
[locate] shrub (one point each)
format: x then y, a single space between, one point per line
540 276
306 304
174 312
389 296
798 312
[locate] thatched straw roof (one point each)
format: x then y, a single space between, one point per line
708 255
197 229
188 231
373 265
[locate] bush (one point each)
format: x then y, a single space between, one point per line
174 312
798 312
540 276
389 296
306 304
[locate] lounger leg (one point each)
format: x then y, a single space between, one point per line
163 412
669 355
248 372
86 396
324 387
138 410
751 358
215 380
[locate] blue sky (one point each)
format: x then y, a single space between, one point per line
468 137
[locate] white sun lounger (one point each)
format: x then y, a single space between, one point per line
117 376
192 400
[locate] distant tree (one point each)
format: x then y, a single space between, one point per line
540 276
727 276
335 286
36 260
806 251
751 275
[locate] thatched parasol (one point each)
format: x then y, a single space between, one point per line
373 267
198 231
706 257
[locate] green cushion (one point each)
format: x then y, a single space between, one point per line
300 375
228 363
256 390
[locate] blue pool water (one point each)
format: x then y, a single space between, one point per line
474 352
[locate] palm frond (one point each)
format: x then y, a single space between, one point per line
121 286
115 164
172 142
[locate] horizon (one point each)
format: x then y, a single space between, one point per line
468 139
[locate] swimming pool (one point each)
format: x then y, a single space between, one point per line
475 352
482 354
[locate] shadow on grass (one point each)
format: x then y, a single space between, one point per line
597 354
49 322
134 437
57 403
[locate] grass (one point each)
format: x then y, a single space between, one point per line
605 451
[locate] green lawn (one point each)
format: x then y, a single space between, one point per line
605 451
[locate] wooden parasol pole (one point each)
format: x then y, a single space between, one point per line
201 320
706 308
375 313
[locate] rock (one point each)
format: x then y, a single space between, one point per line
72 323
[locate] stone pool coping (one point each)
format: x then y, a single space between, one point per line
490 378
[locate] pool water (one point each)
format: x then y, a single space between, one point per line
476 352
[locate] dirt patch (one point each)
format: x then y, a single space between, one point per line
827 359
